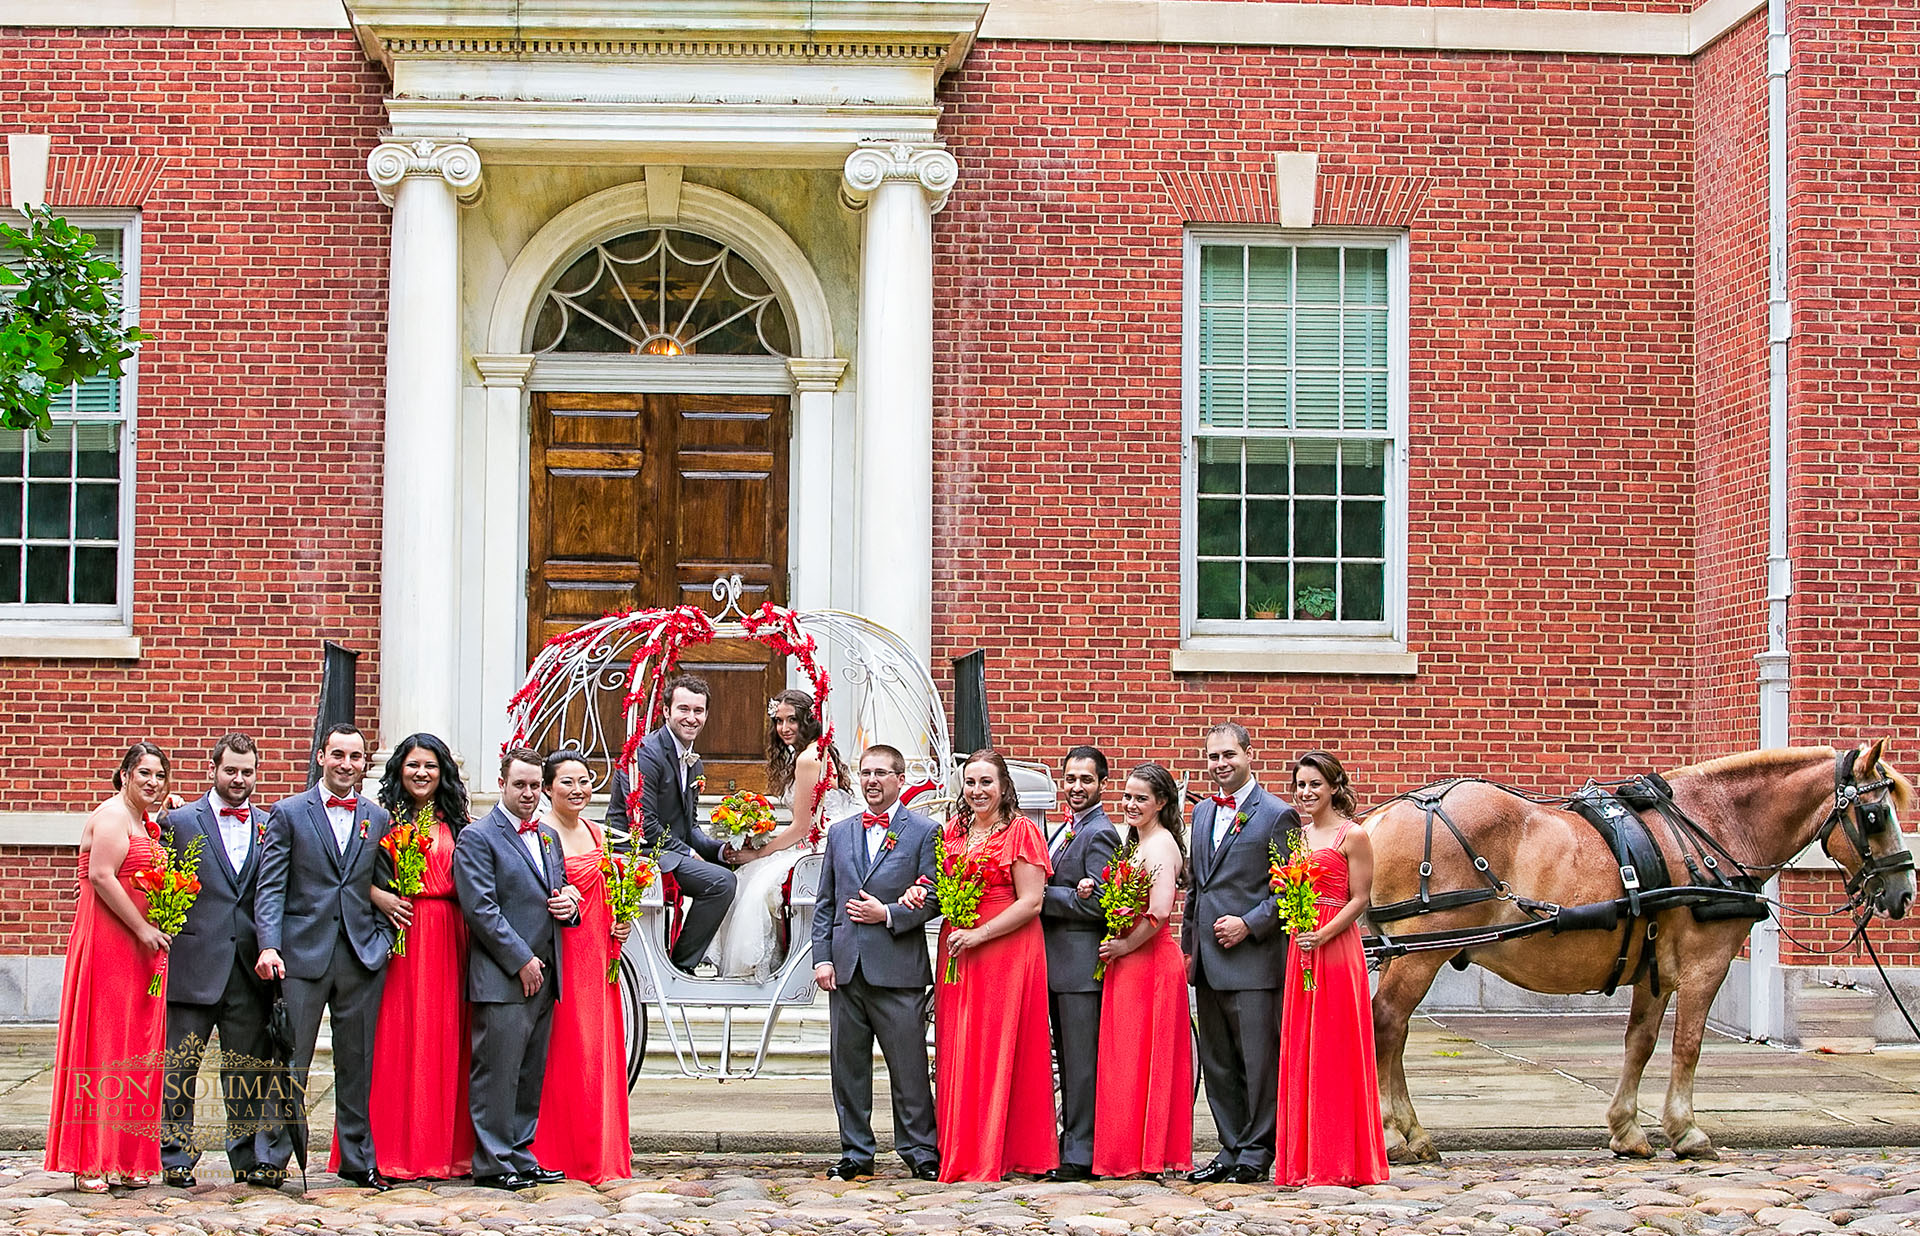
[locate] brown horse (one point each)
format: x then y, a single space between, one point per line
1762 808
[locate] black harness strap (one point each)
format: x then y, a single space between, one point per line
1428 902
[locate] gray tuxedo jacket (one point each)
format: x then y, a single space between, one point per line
503 897
311 897
1073 927
1236 879
219 928
890 954
668 812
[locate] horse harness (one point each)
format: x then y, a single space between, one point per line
1646 884
1862 821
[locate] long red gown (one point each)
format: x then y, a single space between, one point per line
583 1105
1143 1106
422 1045
994 1051
1329 1093
112 1040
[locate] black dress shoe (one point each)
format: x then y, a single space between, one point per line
179 1177
369 1179
1069 1172
1245 1174
927 1171
272 1177
850 1169
541 1175
1213 1173
511 1181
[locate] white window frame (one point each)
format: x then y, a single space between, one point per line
1286 646
99 631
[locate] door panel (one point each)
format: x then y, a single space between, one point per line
643 500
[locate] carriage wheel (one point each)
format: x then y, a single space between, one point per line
633 1015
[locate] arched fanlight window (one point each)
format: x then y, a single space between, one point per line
662 292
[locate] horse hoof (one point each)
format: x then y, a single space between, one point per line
1695 1144
1635 1148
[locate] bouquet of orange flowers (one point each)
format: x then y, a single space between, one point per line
959 884
628 879
1296 895
171 889
744 820
407 844
1126 885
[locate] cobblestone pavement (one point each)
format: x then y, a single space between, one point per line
713 1195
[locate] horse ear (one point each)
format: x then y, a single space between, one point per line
1868 760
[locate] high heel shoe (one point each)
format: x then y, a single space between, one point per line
127 1181
89 1184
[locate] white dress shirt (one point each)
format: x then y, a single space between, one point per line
685 763
531 840
235 835
1222 819
877 835
341 818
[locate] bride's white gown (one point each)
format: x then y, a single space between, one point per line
745 945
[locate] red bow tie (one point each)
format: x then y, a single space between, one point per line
875 821
1224 800
335 801
238 813
523 827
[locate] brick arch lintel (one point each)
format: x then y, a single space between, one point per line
1341 199
95 180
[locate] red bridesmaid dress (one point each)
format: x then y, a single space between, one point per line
583 1106
1143 1107
1330 1130
112 1039
993 1047
422 1044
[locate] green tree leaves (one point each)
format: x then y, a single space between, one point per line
62 324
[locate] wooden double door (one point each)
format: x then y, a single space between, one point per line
643 500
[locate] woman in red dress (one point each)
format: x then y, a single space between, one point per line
994 1066
1143 1106
422 1128
1329 1097
107 1057
583 1108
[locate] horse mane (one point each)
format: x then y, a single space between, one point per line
1902 789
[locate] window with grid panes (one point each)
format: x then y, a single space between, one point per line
1291 489
63 527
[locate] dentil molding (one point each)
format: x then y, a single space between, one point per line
455 162
931 167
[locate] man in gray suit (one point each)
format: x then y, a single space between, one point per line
1237 955
510 874
870 952
1081 848
211 983
671 778
321 931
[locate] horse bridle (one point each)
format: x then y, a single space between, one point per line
1861 810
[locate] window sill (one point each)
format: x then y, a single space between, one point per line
1241 654
29 639
41 827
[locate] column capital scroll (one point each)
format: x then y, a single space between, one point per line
395 159
933 168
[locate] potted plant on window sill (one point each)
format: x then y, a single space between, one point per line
1312 602
1267 608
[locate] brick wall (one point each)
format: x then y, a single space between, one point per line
1551 558
263 284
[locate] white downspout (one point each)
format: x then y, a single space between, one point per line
1766 993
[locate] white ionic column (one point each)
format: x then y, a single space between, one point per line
503 621
900 186
810 538
425 182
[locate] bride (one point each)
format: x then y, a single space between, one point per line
746 943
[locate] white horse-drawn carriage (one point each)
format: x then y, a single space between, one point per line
597 689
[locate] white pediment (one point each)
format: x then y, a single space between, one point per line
744 82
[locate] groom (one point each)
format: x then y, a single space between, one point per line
870 952
671 777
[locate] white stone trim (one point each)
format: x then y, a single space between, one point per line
623 208
22 640
1226 655
1225 22
454 162
686 375
816 373
42 827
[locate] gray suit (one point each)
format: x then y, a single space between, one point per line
1237 990
1073 927
211 984
314 904
669 815
503 897
881 981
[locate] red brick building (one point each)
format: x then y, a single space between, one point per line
1408 379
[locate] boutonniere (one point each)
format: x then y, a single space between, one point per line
261 832
698 785
1066 838
889 841
363 830
1239 822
